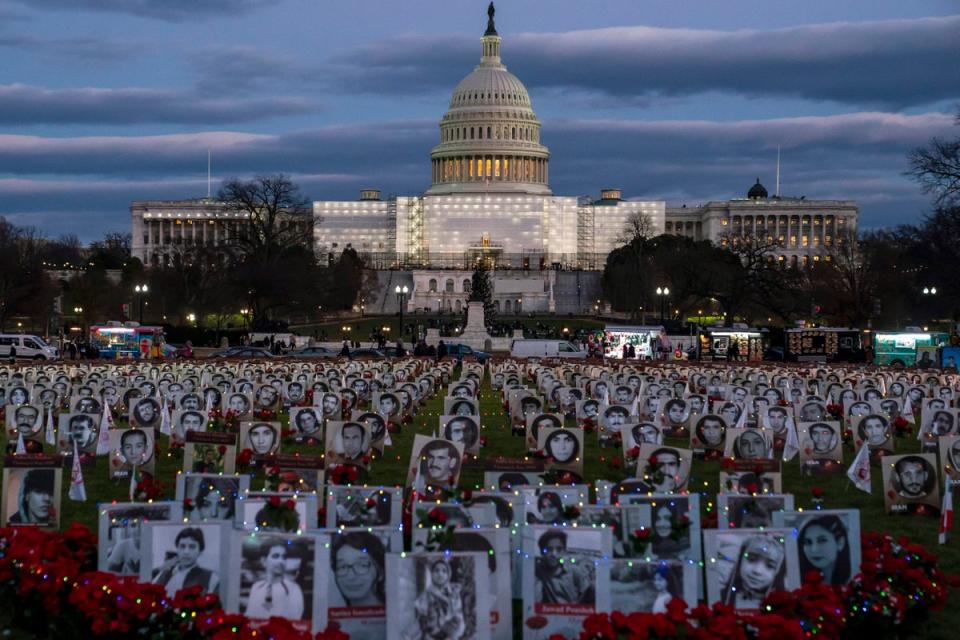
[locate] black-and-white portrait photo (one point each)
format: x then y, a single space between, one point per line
121 532
263 438
238 404
439 595
31 496
744 566
664 469
145 413
648 586
131 448
182 556
873 430
464 430
460 406
277 576
749 444
738 511
24 420
348 443
306 424
709 432
563 448
79 428
434 462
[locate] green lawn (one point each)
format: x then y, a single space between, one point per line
839 492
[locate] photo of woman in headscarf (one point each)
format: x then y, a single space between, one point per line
760 568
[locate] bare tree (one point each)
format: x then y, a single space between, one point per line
639 226
937 168
846 284
269 216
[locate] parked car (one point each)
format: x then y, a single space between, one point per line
373 354
242 352
314 352
460 351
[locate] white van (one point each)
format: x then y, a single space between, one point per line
545 349
32 347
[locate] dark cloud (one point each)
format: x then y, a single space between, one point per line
884 64
855 156
72 50
171 10
26 105
245 69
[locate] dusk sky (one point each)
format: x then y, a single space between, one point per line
107 101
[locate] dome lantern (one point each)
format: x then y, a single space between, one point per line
757 191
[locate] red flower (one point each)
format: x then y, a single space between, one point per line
371 503
274 501
642 534
467 495
816 492
222 449
289 505
437 516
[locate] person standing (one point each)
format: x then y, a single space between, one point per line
441 350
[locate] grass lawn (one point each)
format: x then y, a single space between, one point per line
839 492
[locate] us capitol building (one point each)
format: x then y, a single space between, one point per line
490 200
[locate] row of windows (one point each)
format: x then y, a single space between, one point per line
449 285
452 134
462 98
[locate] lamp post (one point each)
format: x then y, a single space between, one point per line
929 291
402 301
141 291
663 293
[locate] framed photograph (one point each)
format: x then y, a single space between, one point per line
821 448
950 455
438 595
512 479
638 586
263 438
674 520
257 511
777 420
738 511
266 397
664 469
911 484
434 464
387 403
357 583
364 506
709 432
31 491
279 575
238 404
612 421
548 504
120 532
213 497
565 577
749 444
526 405
743 566
210 452
534 423
87 404
129 448
306 424
178 556
24 420
828 542
348 443
453 406
377 426
81 428
494 545
329 404
145 413
588 410
563 448
464 430
185 420
612 517
750 482
873 430
674 416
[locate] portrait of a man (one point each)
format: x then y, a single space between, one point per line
182 567
874 431
33 501
557 580
464 430
263 438
709 432
435 462
145 413
911 484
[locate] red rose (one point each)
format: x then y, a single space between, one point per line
371 503
816 492
437 515
642 534
274 501
222 449
467 495
289 504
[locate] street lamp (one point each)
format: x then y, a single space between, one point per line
402 301
362 306
141 291
663 293
245 313
929 291
191 317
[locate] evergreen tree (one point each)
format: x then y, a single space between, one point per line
481 290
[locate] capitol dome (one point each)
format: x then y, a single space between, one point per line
490 136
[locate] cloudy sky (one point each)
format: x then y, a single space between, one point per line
107 101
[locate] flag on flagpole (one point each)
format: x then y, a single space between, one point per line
859 471
78 490
103 437
134 481
48 434
792 446
946 512
164 418
21 448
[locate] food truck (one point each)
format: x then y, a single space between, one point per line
641 337
823 344
906 348
716 340
127 341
